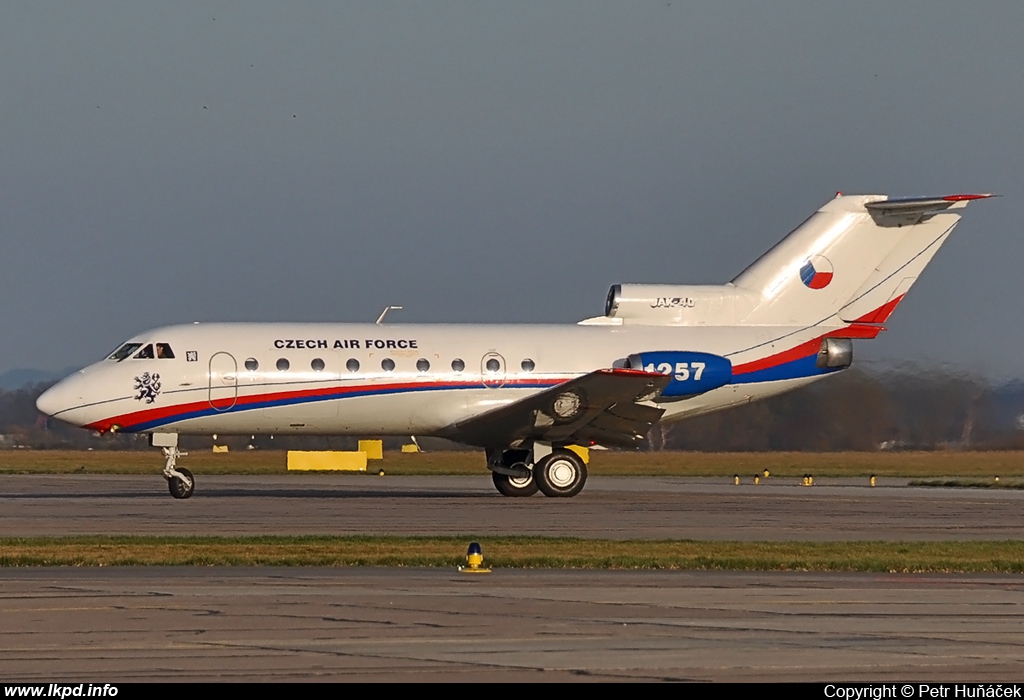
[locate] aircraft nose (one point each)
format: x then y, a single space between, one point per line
59 397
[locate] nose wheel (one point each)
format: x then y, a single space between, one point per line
182 486
180 481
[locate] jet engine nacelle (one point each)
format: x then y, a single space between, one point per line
692 372
678 305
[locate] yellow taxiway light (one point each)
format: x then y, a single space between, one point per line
474 560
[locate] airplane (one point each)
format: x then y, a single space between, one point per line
526 393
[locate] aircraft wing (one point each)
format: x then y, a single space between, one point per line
601 407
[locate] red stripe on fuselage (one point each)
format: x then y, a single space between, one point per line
807 349
128 420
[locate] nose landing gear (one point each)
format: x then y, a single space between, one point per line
182 486
180 481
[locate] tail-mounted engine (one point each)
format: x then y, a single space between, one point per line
692 373
677 305
835 353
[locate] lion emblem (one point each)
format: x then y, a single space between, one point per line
148 387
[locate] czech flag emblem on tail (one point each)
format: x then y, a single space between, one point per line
817 272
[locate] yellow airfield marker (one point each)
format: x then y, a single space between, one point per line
374 449
320 460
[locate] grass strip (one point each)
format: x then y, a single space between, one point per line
518 552
978 465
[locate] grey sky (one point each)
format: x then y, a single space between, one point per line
505 162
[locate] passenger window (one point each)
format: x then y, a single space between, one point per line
145 353
458 365
422 365
317 365
528 365
283 365
124 351
493 365
251 364
387 364
164 352
352 365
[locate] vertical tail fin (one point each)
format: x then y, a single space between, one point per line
855 257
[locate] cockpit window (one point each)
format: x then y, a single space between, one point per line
124 351
145 353
164 352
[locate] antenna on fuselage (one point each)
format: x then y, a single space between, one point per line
380 319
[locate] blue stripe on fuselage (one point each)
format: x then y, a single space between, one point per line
794 369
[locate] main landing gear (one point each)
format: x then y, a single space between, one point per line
180 481
513 486
560 474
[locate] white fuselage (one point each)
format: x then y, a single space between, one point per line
208 388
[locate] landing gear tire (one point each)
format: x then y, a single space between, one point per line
561 474
182 488
514 486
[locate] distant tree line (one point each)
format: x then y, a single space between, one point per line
860 411
857 410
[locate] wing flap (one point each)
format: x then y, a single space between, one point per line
608 438
636 412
